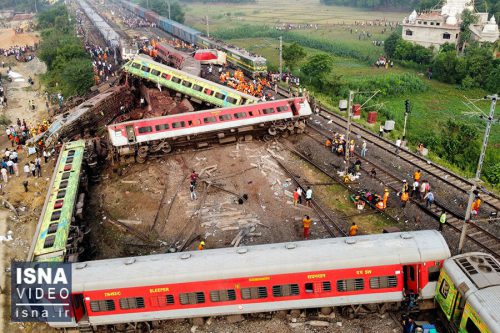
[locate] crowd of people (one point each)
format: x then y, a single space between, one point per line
237 81
22 53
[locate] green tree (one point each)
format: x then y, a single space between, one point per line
78 77
317 68
465 37
293 54
459 144
161 7
391 42
47 19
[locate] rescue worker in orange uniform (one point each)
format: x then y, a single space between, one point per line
306 221
404 198
386 197
353 230
475 206
417 175
201 246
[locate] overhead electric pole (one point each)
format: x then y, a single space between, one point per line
208 27
476 180
168 4
281 56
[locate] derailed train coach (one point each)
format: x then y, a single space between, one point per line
340 272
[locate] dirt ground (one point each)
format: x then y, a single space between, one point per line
28 205
9 38
154 200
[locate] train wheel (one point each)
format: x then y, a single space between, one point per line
167 148
348 312
267 137
272 131
141 159
142 152
285 134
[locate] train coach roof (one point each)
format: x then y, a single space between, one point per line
477 276
261 260
148 60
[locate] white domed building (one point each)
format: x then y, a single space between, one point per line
439 26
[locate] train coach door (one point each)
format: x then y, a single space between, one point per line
78 307
295 106
410 274
130 134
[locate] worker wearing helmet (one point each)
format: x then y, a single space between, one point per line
201 246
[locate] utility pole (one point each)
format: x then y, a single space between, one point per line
208 27
36 7
168 3
346 152
475 181
407 112
281 56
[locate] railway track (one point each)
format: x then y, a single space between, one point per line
478 235
328 222
418 162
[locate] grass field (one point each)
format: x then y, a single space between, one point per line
280 11
430 109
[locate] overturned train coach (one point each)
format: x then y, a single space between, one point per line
225 125
340 272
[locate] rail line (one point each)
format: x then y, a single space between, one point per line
326 220
478 235
435 170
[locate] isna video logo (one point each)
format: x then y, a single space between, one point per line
41 292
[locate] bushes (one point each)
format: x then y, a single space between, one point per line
390 84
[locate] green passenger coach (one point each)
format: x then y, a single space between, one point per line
55 223
468 293
200 90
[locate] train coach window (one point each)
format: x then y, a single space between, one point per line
268 111
383 282
253 293
240 115
61 194
176 79
178 124
145 129
162 127
433 273
327 286
71 152
69 160
100 306
225 117
131 303
282 108
63 184
65 175
209 120
350 285
222 295
155 72
145 69
55 215
232 100
136 65
162 300
192 298
166 76
444 289
471 326
53 228
324 286
208 92
219 95
309 288
187 84
49 241
197 87
286 290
